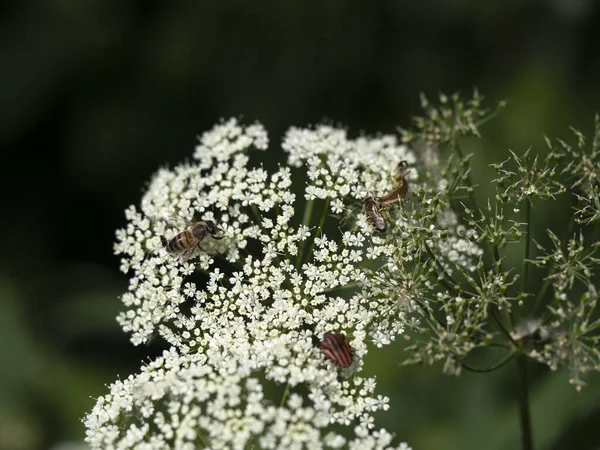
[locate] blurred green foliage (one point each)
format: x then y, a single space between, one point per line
96 95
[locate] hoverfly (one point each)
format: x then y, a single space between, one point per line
371 208
399 191
337 349
185 243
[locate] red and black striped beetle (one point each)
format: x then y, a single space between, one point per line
337 349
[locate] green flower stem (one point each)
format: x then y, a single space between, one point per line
455 185
470 191
524 410
430 313
490 116
570 230
285 394
504 361
595 232
367 263
540 295
449 286
320 227
447 279
548 280
497 256
504 313
527 242
425 309
203 439
526 262
502 327
256 214
351 285
306 219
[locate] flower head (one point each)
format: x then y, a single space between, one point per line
254 299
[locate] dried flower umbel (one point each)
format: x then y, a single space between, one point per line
493 305
558 325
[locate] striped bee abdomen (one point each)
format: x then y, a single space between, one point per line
186 243
182 241
337 349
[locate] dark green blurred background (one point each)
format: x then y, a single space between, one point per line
95 95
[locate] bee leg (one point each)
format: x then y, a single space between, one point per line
220 230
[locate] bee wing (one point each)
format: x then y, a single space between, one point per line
187 253
177 221
379 223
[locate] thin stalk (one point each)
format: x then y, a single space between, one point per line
203 440
454 286
491 115
570 229
504 313
527 245
447 285
430 313
526 264
306 219
595 232
497 255
540 295
320 227
502 327
366 263
351 285
256 214
285 394
548 280
455 184
507 359
523 398
498 345
470 191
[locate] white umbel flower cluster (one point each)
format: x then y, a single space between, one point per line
180 401
245 310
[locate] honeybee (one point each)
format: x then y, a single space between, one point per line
399 191
371 208
337 349
185 243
